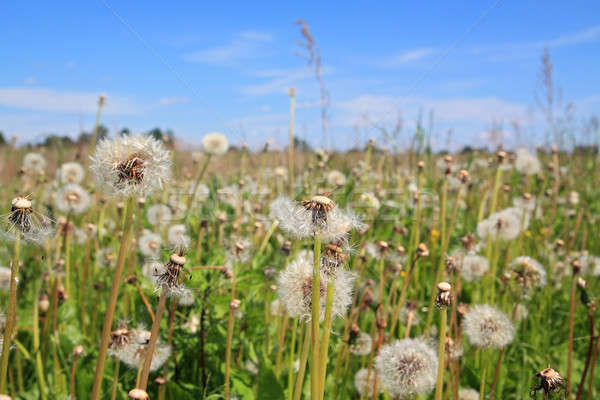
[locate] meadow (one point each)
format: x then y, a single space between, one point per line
135 268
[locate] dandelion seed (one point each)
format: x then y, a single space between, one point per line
25 222
131 165
488 327
407 367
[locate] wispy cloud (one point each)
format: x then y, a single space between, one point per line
407 57
168 101
245 45
44 99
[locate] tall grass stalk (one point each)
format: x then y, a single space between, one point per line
11 318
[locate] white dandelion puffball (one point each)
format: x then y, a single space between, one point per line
131 165
294 286
336 178
474 267
505 224
159 214
362 345
176 235
4 278
215 144
34 162
529 272
72 199
300 222
407 367
131 355
370 200
488 327
363 383
526 163
70 172
468 394
149 244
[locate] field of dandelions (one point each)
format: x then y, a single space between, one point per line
134 269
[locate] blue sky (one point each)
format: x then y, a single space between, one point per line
197 67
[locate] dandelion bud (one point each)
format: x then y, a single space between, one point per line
160 380
62 294
576 265
468 241
581 283
141 201
462 308
131 280
506 188
382 246
421 165
273 287
444 297
554 149
235 304
227 273
44 303
138 394
286 247
422 250
77 351
548 192
550 381
500 156
559 243
463 176
451 265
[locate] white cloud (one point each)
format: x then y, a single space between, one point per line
243 46
280 80
45 99
168 101
407 57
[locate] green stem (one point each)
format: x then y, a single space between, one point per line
112 301
197 184
303 358
441 353
324 349
12 314
316 316
153 339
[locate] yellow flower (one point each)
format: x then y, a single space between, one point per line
435 234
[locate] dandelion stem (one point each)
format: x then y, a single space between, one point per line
441 353
316 315
12 314
303 358
571 334
153 339
324 349
197 184
112 301
115 382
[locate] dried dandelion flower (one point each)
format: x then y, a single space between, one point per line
159 214
363 383
550 382
70 172
149 244
474 267
294 286
407 367
215 144
488 327
72 199
34 162
24 222
131 165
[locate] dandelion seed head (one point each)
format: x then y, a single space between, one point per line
407 367
528 272
505 224
70 172
215 144
361 345
34 162
72 199
159 214
488 327
149 244
363 383
526 163
468 394
176 234
131 165
335 178
474 267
